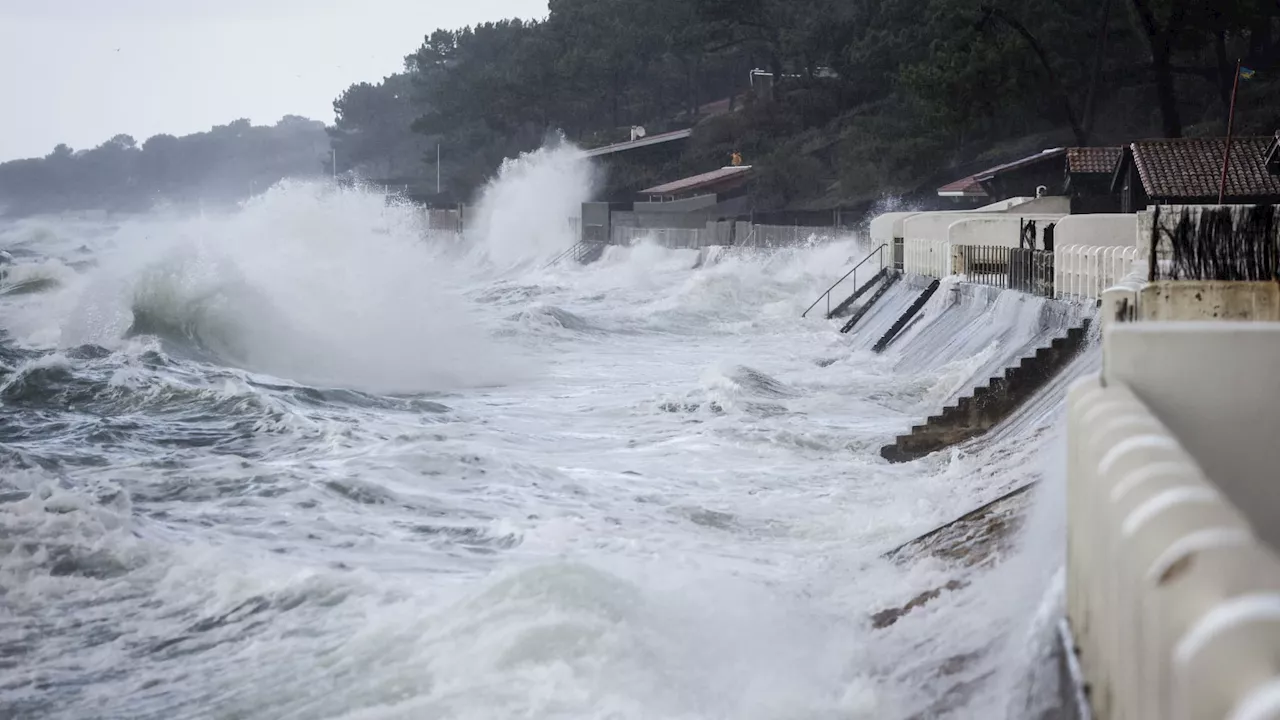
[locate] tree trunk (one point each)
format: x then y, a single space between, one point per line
1170 118
1161 66
1082 138
1095 81
1225 77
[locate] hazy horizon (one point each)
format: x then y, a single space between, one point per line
145 67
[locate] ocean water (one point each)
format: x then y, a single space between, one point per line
309 459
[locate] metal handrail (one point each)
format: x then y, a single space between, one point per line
564 254
827 294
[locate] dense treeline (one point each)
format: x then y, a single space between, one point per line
870 95
224 164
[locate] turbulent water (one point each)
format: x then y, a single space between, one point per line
306 460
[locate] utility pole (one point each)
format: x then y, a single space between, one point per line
333 152
437 168
1231 121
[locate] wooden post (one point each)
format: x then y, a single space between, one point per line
1231 121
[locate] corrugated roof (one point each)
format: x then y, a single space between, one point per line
964 187
642 142
1101 160
971 186
1192 168
697 181
1042 156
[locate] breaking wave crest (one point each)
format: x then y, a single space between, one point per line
317 285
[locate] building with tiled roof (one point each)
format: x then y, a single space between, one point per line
1093 160
1088 183
1188 171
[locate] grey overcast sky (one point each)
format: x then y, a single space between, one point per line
81 71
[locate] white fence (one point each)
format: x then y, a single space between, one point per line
759 236
790 235
1085 271
926 257
666 237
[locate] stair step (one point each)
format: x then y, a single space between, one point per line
848 302
889 279
902 321
1000 397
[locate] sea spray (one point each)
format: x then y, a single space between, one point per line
562 544
306 282
528 211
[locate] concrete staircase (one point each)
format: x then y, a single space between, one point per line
990 404
584 252
886 278
906 317
844 307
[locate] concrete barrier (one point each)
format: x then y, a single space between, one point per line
1173 592
996 230
1098 230
888 227
1003 227
1209 300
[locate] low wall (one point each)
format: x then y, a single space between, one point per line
1173 590
937 225
1208 300
888 227
997 230
1099 230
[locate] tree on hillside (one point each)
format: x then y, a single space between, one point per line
225 164
372 131
915 86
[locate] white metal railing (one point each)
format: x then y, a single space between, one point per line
1085 271
931 258
1173 603
759 236
792 235
666 237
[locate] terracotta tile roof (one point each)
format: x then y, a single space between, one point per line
964 187
1191 168
1102 160
697 181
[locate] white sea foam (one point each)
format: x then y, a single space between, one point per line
650 490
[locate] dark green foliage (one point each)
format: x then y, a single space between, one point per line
871 97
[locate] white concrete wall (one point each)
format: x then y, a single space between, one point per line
1209 300
885 228
1048 205
937 226
1173 585
1100 230
1217 387
997 230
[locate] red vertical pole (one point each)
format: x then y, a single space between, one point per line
1231 121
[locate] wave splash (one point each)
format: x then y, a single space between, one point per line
323 286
